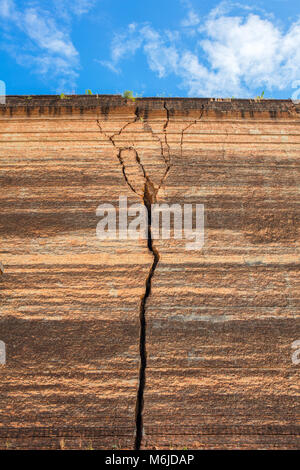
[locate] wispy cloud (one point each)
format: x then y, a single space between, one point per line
234 54
43 42
192 19
46 34
159 50
67 8
80 7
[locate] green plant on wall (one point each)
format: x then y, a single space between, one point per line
128 95
88 92
260 97
63 96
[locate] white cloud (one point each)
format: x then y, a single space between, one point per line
46 46
44 32
233 54
7 8
160 56
66 8
107 63
122 50
192 19
80 7
252 52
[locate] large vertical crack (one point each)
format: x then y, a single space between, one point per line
148 201
149 198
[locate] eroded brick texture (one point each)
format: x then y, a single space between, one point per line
85 321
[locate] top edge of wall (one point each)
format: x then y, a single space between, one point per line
116 104
54 100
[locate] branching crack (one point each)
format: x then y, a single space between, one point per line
188 126
166 127
149 198
167 159
124 168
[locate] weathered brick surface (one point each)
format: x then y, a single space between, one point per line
220 321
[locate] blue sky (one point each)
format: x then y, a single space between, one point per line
156 48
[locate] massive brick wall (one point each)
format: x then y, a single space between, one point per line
220 321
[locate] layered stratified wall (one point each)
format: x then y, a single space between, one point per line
84 320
